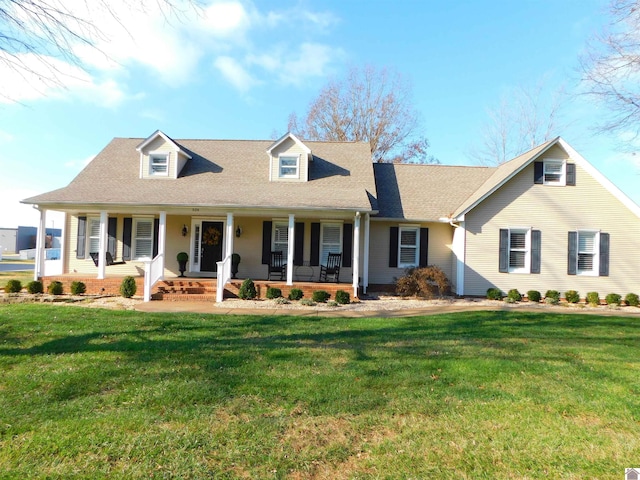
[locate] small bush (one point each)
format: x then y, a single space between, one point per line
247 290
35 286
613 299
632 299
343 297
273 292
282 301
13 286
320 296
55 288
593 298
552 297
425 282
494 294
78 288
514 295
534 296
128 287
332 303
296 294
571 296
307 302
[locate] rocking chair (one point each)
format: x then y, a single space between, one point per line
331 271
277 267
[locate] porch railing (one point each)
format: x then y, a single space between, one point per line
153 271
224 275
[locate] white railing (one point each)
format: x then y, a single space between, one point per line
50 254
153 271
224 275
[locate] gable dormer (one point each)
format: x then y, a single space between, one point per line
289 160
161 157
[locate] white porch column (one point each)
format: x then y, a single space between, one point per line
102 245
459 248
290 250
356 254
230 235
162 239
38 270
365 267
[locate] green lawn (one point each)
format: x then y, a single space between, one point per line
87 393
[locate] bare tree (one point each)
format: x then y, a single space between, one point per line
524 118
369 105
51 31
611 68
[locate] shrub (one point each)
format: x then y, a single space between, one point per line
307 302
35 286
593 298
78 288
514 295
182 257
282 301
424 282
534 296
13 286
332 303
273 292
128 287
613 299
320 296
632 299
247 290
572 296
552 297
494 294
343 297
55 288
296 294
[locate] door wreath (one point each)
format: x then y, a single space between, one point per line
211 236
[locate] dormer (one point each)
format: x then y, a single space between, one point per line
289 160
161 157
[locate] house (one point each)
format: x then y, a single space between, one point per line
544 220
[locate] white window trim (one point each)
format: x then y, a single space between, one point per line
297 167
527 250
416 261
134 253
322 246
280 223
595 270
563 175
166 156
88 250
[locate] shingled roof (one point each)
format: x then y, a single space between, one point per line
224 173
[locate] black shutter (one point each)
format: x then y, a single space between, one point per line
538 172
156 229
82 237
423 261
111 231
315 244
347 244
298 247
572 255
571 174
536 250
266 242
126 238
503 262
393 246
604 254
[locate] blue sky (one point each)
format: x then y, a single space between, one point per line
237 69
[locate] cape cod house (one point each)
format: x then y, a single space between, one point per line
544 220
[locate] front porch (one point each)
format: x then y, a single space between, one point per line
181 289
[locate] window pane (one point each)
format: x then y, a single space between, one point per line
518 240
586 242
408 255
288 166
408 237
159 164
94 235
143 229
196 245
143 247
143 242
331 241
517 259
585 261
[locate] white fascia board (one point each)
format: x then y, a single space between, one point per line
156 134
290 135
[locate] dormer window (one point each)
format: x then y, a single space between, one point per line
159 164
289 166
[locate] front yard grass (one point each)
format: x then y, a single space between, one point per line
89 393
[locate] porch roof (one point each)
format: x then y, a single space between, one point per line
224 173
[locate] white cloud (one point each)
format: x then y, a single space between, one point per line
15 214
311 60
235 73
225 19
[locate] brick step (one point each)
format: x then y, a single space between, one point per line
187 290
180 297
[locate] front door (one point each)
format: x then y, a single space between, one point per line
211 246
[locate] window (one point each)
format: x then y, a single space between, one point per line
588 253
554 172
408 247
196 244
288 167
159 164
93 236
519 251
330 240
142 238
281 239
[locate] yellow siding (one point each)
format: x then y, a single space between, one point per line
554 211
439 251
289 147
